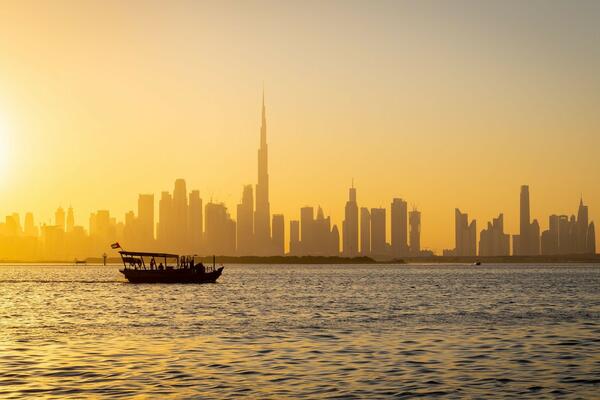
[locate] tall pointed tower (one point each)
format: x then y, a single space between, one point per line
262 214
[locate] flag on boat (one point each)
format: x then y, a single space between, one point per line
115 245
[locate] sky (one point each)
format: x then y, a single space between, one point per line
444 104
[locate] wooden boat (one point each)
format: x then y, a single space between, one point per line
146 267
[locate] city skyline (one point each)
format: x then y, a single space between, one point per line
184 226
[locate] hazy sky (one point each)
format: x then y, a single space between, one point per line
445 104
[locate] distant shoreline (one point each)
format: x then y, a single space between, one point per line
323 260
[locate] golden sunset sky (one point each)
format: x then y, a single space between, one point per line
445 104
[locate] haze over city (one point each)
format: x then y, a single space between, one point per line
442 108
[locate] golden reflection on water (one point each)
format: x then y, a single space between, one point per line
346 331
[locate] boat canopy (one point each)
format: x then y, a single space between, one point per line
146 254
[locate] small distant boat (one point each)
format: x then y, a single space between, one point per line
147 267
80 262
477 263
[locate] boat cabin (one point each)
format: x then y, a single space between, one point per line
137 260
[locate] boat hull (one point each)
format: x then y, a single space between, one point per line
171 276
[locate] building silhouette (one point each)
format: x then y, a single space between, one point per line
465 235
317 236
591 239
350 226
29 227
195 222
527 243
379 246
399 223
306 231
365 231
70 220
145 220
220 230
165 221
295 248
180 217
414 218
492 240
262 214
278 227
569 235
245 222
59 218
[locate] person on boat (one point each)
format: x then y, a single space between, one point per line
160 267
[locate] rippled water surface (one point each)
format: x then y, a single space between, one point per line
303 331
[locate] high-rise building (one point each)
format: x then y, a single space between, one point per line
465 235
29 227
549 241
350 226
294 238
524 224
145 220
414 218
399 228
245 223
278 234
591 239
59 218
307 237
378 239
131 231
321 229
492 240
565 228
195 221
70 220
582 228
180 217
262 215
334 241
365 231
220 230
165 221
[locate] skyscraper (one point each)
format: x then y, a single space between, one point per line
278 234
350 226
70 220
59 218
29 227
492 240
582 228
414 218
262 215
465 235
524 224
145 220
165 221
378 243
399 228
245 223
180 217
334 241
365 231
220 230
294 238
195 221
591 239
306 230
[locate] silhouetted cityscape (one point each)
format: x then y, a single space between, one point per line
186 226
